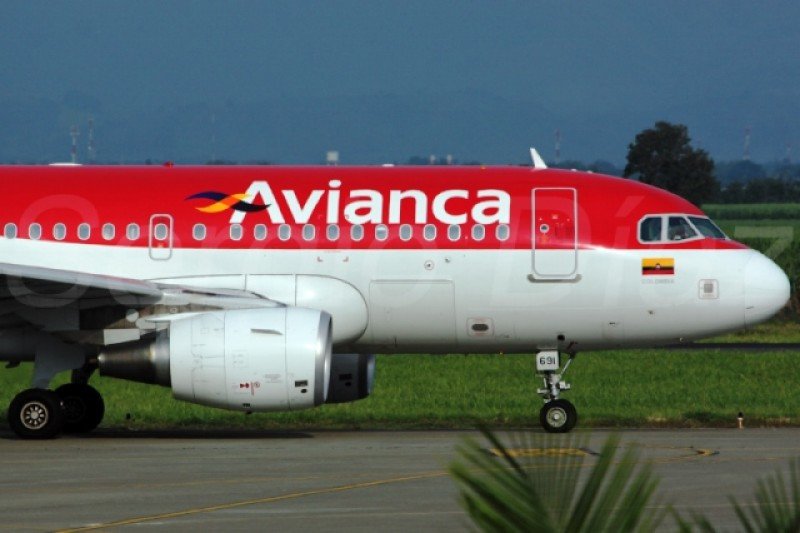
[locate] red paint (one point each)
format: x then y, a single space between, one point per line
608 208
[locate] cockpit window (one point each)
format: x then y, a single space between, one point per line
650 229
707 228
679 229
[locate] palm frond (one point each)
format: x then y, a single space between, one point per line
541 489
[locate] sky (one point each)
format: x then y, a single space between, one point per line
482 80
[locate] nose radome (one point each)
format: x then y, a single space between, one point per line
766 289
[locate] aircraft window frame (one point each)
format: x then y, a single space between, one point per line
661 227
199 232
10 231
707 220
502 232
84 231
429 232
406 232
356 232
284 232
59 231
454 232
260 232
686 223
381 232
108 231
332 232
478 232
309 232
35 231
133 232
236 232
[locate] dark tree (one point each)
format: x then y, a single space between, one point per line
662 156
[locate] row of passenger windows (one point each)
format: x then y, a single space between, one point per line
357 232
284 232
84 231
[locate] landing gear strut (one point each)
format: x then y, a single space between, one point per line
557 415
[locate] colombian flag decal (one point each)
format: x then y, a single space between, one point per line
658 266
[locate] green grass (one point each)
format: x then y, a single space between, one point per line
752 211
638 388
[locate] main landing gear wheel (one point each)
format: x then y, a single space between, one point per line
558 416
36 414
83 407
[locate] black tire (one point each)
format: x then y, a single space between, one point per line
558 416
36 414
83 407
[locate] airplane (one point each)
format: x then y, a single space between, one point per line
269 288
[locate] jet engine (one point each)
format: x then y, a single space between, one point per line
271 359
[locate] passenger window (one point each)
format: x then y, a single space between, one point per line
308 232
357 232
650 229
59 232
109 230
10 231
429 232
406 232
381 232
478 232
132 232
284 232
160 232
35 231
679 229
454 232
199 232
236 232
502 232
333 232
260 232
84 231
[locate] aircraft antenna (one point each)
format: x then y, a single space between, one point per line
558 146
73 132
90 141
746 153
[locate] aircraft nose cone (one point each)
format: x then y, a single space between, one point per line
766 289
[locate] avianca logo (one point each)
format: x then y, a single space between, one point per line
223 201
364 206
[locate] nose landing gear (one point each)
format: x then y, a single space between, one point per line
557 415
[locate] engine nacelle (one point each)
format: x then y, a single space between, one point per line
271 359
352 376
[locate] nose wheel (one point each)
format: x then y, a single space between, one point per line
557 415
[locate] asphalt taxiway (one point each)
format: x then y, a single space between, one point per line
354 481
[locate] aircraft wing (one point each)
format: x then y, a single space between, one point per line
48 288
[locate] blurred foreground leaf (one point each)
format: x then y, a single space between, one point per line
535 485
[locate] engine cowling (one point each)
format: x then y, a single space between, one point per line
271 359
352 376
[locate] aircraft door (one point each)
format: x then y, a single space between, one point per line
160 237
555 232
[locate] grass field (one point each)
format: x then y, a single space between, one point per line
636 388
